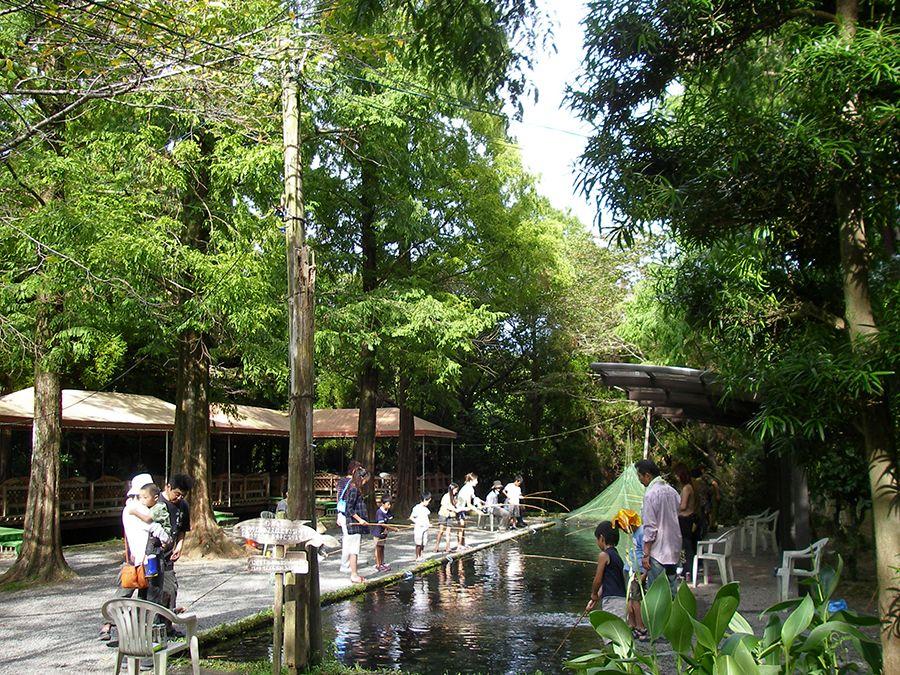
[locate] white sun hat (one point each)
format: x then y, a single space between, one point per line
138 482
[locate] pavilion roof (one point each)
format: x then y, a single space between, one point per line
106 410
678 393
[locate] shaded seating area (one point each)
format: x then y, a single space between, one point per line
680 395
96 414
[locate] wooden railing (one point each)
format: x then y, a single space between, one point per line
77 497
80 498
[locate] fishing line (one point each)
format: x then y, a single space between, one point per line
550 557
571 630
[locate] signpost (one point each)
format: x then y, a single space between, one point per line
279 534
275 566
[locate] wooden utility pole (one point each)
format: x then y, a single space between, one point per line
302 625
647 433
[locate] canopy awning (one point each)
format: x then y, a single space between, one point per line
115 411
342 423
678 393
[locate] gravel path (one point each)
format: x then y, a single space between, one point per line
53 629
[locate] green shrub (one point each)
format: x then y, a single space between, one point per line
806 641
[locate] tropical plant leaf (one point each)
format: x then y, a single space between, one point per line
819 634
612 628
872 654
686 599
704 636
657 606
739 624
719 616
732 641
679 631
793 603
797 622
856 619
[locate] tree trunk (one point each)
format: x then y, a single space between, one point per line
364 451
190 447
41 558
876 422
406 494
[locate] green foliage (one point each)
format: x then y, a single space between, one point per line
809 640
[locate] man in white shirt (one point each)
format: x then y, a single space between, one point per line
513 492
662 534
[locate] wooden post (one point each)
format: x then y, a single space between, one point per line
278 617
303 638
647 433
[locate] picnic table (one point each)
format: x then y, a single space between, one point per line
225 518
11 538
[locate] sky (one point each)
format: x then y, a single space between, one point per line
550 136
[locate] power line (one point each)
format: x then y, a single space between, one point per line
544 438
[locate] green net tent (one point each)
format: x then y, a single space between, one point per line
625 492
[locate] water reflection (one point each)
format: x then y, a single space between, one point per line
496 612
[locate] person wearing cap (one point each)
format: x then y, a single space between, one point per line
140 538
492 505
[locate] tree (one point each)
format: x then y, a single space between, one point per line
781 140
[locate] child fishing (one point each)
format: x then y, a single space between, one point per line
379 531
608 588
420 517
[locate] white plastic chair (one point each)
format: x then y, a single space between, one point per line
788 561
488 513
717 551
134 623
748 527
765 532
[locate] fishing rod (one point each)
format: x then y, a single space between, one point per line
547 499
550 557
571 630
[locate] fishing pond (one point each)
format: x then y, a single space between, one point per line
496 611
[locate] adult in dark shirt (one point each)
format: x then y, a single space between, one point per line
174 497
357 521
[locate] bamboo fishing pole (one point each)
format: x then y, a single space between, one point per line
551 557
571 630
547 499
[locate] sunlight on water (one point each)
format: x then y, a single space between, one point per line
496 611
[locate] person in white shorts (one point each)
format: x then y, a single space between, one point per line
420 517
342 486
357 521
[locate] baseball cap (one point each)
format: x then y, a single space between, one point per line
497 484
138 482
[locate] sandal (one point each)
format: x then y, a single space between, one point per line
357 580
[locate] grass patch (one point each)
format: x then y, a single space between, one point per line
262 667
17 586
